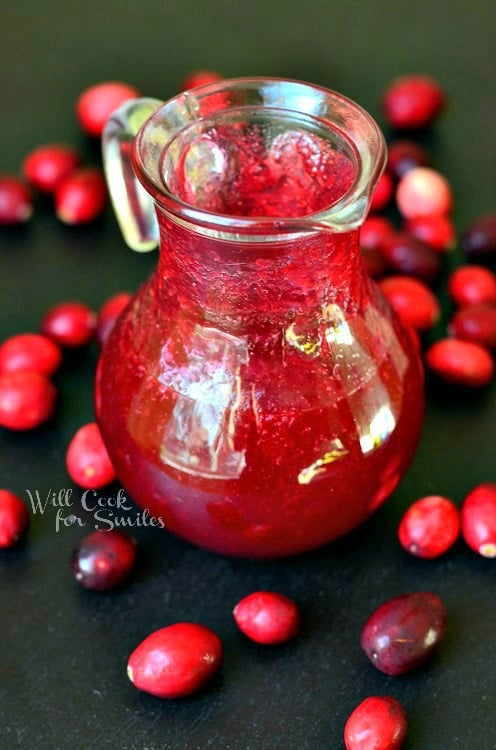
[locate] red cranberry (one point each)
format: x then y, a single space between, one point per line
70 324
375 232
475 323
175 661
479 240
383 193
469 285
14 519
430 527
412 300
404 254
87 460
103 559
267 617
199 78
373 262
405 155
436 231
108 314
81 197
479 519
413 101
95 105
16 204
48 166
460 362
378 723
30 351
27 399
423 192
403 632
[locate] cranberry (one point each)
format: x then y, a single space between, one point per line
87 460
413 101
108 314
423 192
479 519
16 204
479 240
103 559
405 155
469 285
460 362
47 166
95 105
70 324
199 78
403 632
436 231
81 197
375 232
30 351
383 193
27 399
14 519
429 527
267 617
373 262
407 255
175 661
412 300
378 723
475 323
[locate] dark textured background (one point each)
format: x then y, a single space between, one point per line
64 650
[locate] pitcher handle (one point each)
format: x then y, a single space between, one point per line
133 206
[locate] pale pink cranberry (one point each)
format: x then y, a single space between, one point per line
412 300
87 460
30 351
81 197
95 105
14 519
423 192
471 284
48 166
460 362
413 101
16 203
430 527
378 723
437 231
479 519
475 323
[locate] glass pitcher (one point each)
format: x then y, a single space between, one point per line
258 394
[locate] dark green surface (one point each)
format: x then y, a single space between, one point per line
64 650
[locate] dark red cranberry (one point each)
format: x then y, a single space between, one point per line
436 231
476 323
383 192
14 519
403 632
407 255
373 262
200 78
479 239
378 723
70 324
412 300
27 400
405 155
479 519
471 284
48 166
375 232
175 661
16 203
413 101
267 617
429 527
103 559
423 192
462 363
81 197
108 314
95 105
87 460
30 351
